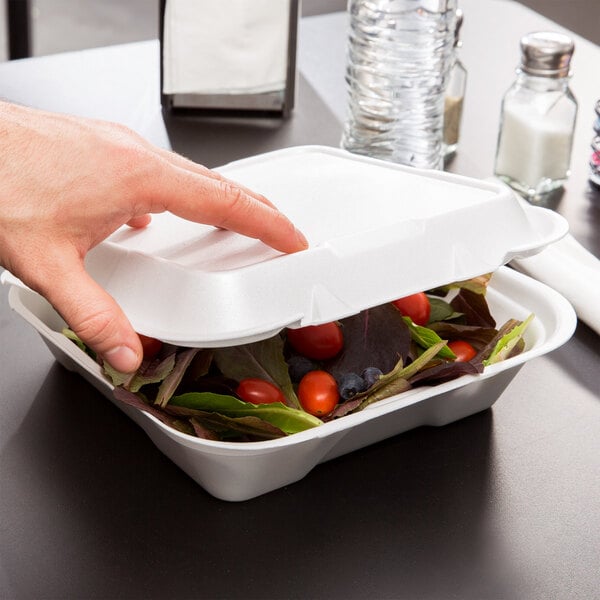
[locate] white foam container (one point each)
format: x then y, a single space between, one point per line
377 231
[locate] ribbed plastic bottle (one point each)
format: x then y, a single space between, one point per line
399 55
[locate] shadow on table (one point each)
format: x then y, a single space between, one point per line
580 365
100 512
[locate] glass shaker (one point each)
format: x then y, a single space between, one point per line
455 94
538 118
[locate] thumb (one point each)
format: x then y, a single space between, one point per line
95 317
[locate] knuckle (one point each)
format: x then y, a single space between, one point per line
97 328
236 201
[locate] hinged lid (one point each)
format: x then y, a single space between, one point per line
377 231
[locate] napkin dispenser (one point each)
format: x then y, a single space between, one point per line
232 57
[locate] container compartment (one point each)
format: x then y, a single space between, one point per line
239 471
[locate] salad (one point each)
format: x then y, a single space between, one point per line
304 377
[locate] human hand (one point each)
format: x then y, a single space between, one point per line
67 183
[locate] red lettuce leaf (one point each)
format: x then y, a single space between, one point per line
263 359
477 336
173 379
377 337
446 371
226 427
475 308
138 402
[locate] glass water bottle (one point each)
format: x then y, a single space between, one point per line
538 118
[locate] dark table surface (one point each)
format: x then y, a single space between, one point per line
502 504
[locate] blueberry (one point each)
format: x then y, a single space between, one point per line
351 384
371 375
299 366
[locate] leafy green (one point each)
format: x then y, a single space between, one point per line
149 372
263 359
170 383
477 336
446 371
289 420
477 285
70 334
117 378
509 340
374 337
215 425
426 337
441 310
475 308
396 381
193 390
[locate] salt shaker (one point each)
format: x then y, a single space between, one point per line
538 118
455 94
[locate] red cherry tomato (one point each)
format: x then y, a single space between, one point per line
318 342
463 350
318 393
259 391
416 306
151 346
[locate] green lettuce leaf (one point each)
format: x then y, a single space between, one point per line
289 420
425 338
69 333
509 341
441 310
149 372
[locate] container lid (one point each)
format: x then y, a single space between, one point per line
377 231
546 54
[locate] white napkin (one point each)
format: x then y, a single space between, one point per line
572 271
225 46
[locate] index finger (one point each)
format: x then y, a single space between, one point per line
205 197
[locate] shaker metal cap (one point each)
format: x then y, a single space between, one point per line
546 54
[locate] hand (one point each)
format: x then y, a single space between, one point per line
67 183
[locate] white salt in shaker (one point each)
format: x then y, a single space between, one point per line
538 118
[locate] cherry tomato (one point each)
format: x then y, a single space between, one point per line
318 393
463 350
259 391
151 346
318 342
416 306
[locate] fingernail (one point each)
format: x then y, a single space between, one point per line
123 359
301 239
